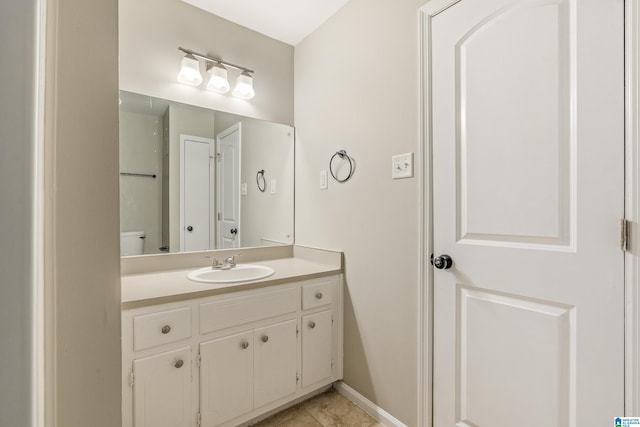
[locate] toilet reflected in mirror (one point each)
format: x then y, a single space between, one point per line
132 243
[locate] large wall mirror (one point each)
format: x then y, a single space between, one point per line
196 179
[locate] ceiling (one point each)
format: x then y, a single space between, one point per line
289 21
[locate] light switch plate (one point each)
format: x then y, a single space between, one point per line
402 166
243 189
323 180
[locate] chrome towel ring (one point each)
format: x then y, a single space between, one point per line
261 181
341 154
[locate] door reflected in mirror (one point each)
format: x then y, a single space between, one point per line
196 179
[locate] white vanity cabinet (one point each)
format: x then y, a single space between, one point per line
226 378
162 395
245 371
222 360
317 357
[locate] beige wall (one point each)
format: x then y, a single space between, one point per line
18 114
152 30
356 88
82 197
141 197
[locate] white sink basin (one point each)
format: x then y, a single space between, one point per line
239 273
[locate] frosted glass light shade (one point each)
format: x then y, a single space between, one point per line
244 86
190 71
218 80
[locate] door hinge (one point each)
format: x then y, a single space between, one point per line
297 377
219 216
624 234
297 331
131 378
198 360
198 419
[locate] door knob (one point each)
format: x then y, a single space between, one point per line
189 228
234 231
442 262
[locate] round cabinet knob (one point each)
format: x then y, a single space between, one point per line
312 324
442 262
319 295
265 338
179 364
189 228
166 329
244 345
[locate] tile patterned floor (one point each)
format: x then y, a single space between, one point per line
329 409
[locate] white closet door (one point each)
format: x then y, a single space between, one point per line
527 114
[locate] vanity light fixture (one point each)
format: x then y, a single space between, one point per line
190 71
244 86
218 75
218 80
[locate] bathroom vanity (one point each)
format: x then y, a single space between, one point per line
222 354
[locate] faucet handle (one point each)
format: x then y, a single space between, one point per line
214 263
232 259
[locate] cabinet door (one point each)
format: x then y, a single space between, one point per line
316 347
274 374
226 378
162 390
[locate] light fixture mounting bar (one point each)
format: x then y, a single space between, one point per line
211 59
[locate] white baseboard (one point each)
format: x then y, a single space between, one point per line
368 406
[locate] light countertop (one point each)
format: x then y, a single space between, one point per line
160 287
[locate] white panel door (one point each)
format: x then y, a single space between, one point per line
196 193
228 187
275 366
162 390
316 347
526 126
226 378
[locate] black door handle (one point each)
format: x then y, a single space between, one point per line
442 262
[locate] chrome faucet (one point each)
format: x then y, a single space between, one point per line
227 264
215 263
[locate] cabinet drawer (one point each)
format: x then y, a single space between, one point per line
150 330
222 314
317 294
